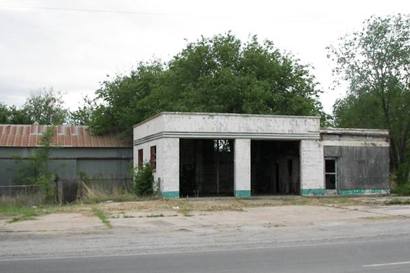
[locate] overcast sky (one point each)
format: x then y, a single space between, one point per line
72 45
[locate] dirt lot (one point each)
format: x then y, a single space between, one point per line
160 226
207 215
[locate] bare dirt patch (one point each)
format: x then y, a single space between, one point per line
57 222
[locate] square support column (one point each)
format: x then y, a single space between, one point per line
311 168
242 168
168 167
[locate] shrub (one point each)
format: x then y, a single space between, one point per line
402 189
47 185
144 181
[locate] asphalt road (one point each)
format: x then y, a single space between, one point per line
388 255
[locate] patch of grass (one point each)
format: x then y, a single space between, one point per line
93 193
380 217
23 213
398 201
184 208
23 207
155 215
20 200
100 214
20 214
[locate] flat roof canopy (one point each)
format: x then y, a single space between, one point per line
221 125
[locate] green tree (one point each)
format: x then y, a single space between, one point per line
35 170
376 63
82 116
4 114
218 74
46 107
122 101
18 116
13 115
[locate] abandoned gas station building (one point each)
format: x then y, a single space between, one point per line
243 155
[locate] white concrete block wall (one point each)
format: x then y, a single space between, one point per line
242 168
149 127
311 168
168 166
208 125
146 147
240 123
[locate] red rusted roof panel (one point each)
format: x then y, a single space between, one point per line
22 135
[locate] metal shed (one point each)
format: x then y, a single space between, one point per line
74 152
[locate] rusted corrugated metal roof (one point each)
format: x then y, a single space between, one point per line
22 135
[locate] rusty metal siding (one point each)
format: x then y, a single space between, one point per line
360 167
21 135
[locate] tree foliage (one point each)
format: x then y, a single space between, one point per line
82 116
4 114
44 107
218 74
376 63
13 115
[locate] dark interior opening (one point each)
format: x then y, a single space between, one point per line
275 167
330 174
206 167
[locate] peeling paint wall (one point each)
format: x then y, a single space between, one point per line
242 168
362 159
360 167
311 167
225 126
166 174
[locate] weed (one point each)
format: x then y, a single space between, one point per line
380 217
398 201
23 213
102 216
155 215
90 193
184 208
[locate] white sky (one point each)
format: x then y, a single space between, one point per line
71 45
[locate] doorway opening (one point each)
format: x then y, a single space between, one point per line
275 168
206 167
330 174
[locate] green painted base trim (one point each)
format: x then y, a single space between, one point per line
170 194
242 194
350 192
313 192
